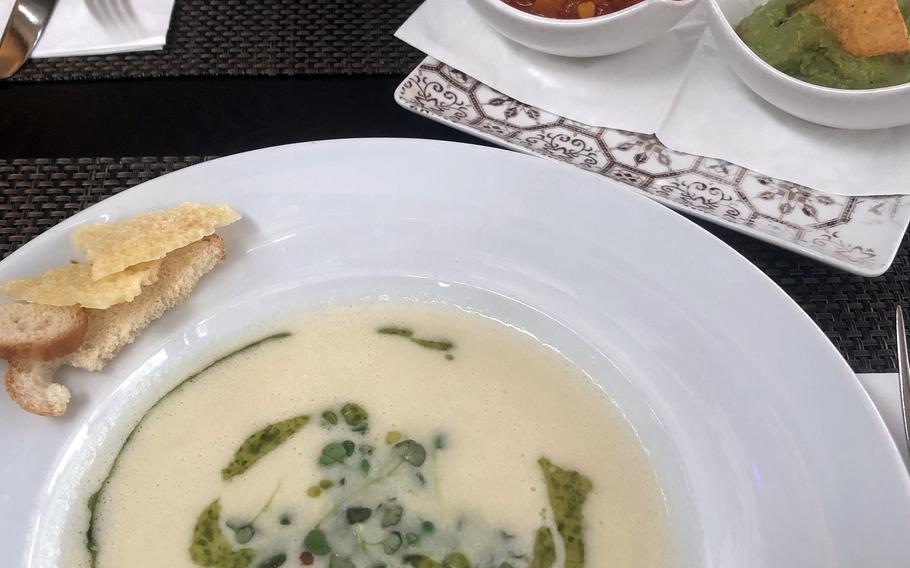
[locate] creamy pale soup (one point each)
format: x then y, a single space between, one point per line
381 435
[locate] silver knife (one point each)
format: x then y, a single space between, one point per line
24 29
903 369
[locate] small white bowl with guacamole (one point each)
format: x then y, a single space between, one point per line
793 60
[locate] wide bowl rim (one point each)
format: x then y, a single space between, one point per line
288 163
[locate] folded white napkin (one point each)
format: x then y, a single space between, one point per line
884 390
676 87
630 91
715 114
94 27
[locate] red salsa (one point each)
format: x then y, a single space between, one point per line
571 9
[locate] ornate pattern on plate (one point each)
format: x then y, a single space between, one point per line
858 234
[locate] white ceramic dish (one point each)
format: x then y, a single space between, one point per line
589 37
768 449
861 235
839 108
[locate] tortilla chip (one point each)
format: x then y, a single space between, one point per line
73 285
864 27
111 248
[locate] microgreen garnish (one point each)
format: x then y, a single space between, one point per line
352 534
242 533
354 414
392 542
358 514
317 543
334 453
391 515
411 452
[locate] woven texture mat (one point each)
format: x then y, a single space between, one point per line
855 312
268 37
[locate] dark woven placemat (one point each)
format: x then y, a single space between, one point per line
266 37
855 312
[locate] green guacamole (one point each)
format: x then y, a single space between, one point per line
800 45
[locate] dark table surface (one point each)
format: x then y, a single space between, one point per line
198 115
217 115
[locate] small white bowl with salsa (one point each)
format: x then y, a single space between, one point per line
582 28
828 88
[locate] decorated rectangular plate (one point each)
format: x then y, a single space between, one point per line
857 234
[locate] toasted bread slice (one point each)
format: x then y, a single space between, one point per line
112 329
31 384
43 333
94 336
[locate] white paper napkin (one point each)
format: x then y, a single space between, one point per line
885 393
631 91
94 27
675 87
715 114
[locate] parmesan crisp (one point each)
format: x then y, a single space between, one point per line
865 28
111 248
73 285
